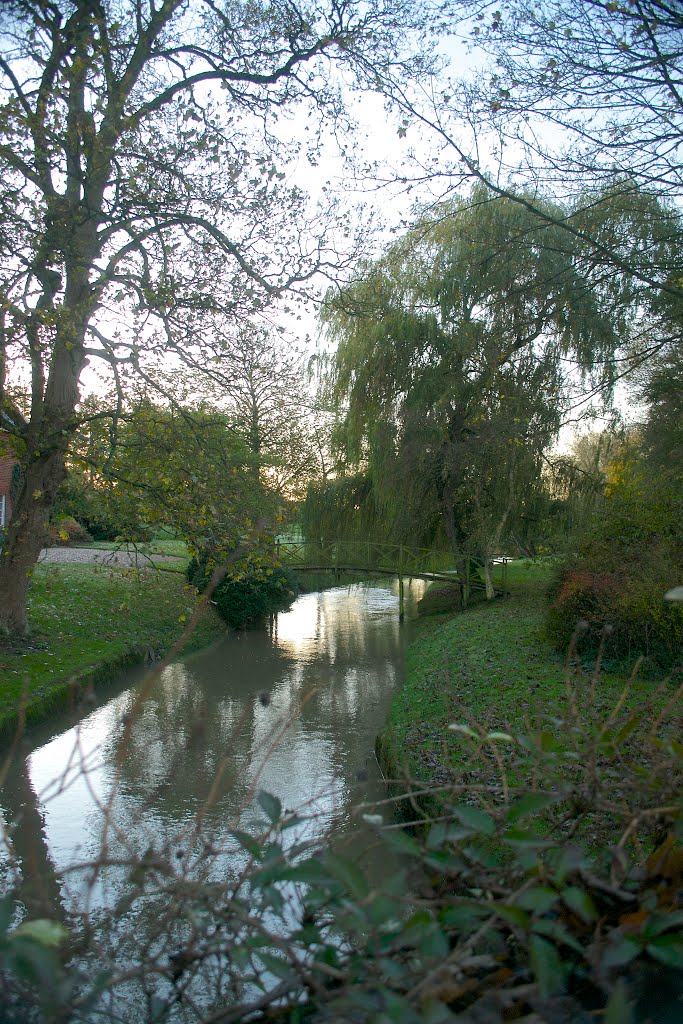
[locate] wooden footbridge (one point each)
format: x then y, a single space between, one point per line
372 558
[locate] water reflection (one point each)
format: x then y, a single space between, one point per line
293 710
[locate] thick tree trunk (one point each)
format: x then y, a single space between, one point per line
25 538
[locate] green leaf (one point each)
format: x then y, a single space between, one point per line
435 1012
662 922
476 820
6 914
620 950
401 841
382 909
512 915
554 930
280 968
547 967
435 944
571 858
310 871
349 874
47 933
270 805
580 902
436 836
241 955
668 949
526 839
416 927
250 844
530 803
619 1009
538 900
158 1009
465 916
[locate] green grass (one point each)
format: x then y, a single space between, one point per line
490 665
89 621
161 546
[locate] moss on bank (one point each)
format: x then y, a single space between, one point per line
89 622
491 666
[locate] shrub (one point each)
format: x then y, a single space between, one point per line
624 566
107 513
252 587
65 531
628 599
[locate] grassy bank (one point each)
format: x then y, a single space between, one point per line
489 666
88 622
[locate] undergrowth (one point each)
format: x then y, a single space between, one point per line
503 908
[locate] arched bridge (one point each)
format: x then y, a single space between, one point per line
373 558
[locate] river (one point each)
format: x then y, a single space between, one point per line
292 709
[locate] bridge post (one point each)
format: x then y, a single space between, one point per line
401 608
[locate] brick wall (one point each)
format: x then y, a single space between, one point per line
7 462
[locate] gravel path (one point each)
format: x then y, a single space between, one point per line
95 556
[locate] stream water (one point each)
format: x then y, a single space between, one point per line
292 709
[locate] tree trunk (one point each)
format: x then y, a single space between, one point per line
488 579
26 536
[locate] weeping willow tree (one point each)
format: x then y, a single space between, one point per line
450 368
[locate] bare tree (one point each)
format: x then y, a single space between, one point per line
581 100
139 188
260 379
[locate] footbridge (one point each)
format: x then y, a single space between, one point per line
375 558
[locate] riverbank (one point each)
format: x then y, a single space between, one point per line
88 623
489 667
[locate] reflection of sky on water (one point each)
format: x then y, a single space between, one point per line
293 711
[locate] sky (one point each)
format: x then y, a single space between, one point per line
383 139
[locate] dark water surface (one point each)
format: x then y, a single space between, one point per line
292 709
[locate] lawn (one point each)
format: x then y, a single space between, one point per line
92 620
160 546
490 666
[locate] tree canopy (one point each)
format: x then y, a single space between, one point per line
184 469
450 367
140 191
581 100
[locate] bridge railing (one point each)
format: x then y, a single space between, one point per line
363 554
